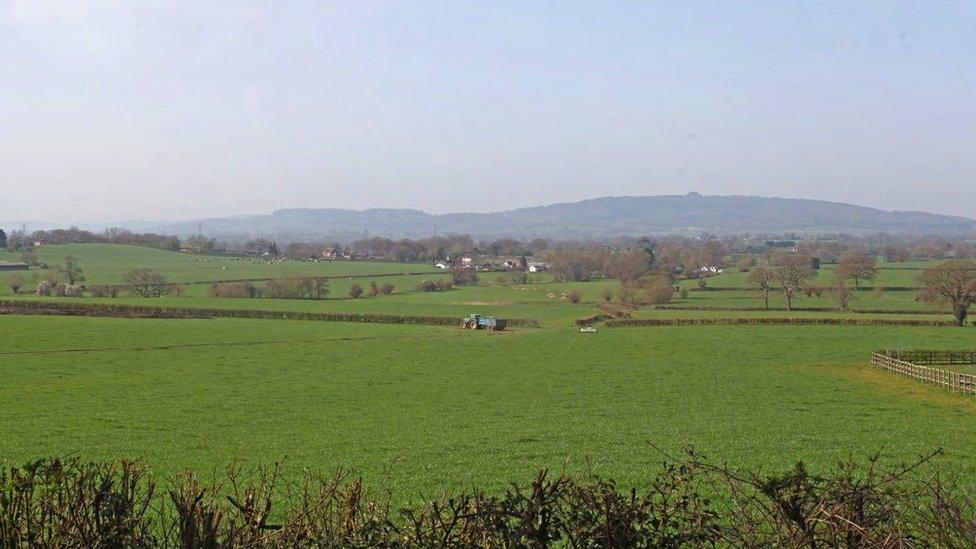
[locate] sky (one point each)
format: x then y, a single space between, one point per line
122 110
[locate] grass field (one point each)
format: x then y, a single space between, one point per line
108 263
421 410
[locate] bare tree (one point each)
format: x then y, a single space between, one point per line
17 281
356 290
763 278
146 283
841 292
857 266
953 282
793 273
28 257
71 270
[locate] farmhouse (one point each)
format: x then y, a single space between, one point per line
538 267
6 266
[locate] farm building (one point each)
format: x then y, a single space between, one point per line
6 266
538 267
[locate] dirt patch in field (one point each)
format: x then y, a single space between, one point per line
902 387
486 303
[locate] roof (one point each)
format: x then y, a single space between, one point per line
9 264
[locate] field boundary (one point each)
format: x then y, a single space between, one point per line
776 288
642 322
903 363
801 310
151 311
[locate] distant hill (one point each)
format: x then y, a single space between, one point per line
596 218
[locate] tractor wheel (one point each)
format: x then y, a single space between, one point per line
473 325
491 328
464 325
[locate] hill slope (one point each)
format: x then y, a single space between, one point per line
596 218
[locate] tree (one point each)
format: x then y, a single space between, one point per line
374 289
746 263
952 282
461 275
146 283
17 281
28 257
3 239
355 291
857 266
71 270
793 273
763 278
841 292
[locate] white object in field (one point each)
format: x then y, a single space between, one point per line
587 330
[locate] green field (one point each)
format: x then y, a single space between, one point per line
421 410
108 263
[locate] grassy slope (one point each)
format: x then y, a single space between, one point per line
428 409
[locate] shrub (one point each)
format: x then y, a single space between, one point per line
683 293
374 289
67 290
235 290
463 276
386 288
102 290
658 292
746 264
45 288
607 294
295 287
355 291
16 281
573 296
813 290
427 285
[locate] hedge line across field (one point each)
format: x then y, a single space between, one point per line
802 309
150 311
776 289
634 322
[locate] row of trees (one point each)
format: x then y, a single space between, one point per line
20 241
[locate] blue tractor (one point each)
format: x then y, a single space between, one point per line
481 322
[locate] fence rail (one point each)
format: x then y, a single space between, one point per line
895 361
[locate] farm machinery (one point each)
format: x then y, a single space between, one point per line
481 322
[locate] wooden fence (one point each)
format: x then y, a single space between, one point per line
894 361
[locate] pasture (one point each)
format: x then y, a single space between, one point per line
421 410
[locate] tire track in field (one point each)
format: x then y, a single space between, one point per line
205 345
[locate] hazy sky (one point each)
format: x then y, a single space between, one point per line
171 110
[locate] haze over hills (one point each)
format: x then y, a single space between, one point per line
596 218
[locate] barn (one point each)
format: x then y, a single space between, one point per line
6 266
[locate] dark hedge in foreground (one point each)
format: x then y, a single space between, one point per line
68 503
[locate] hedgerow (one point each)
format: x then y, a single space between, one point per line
634 322
687 502
149 311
